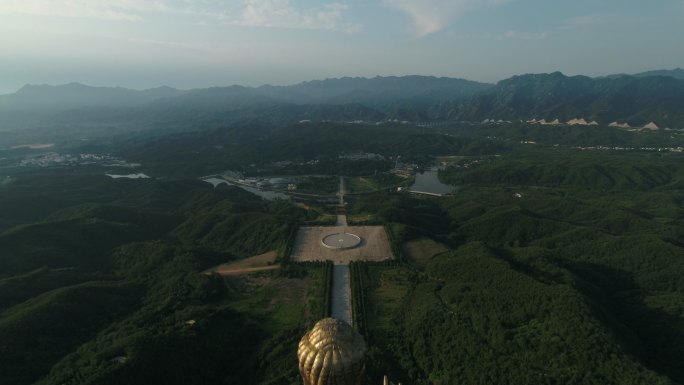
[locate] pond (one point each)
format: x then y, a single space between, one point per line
428 181
269 195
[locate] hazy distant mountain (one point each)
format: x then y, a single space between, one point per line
676 73
405 98
417 91
217 98
636 100
75 95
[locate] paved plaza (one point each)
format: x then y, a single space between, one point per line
374 245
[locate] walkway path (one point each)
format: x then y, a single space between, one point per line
341 294
341 221
341 193
341 217
341 285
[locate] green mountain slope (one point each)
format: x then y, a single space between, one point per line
93 281
634 100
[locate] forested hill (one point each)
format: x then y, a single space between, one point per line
625 99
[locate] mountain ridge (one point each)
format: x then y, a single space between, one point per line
633 100
636 101
676 73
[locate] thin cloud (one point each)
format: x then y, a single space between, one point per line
597 19
524 35
430 16
118 10
280 14
254 13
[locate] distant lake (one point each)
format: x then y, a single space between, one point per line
129 176
34 146
428 181
270 195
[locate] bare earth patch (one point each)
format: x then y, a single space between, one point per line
261 262
386 296
374 245
420 251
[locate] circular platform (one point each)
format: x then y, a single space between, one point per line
341 241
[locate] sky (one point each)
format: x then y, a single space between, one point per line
200 43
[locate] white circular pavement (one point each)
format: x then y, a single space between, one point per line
341 241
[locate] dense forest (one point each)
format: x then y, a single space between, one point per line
108 271
554 273
555 262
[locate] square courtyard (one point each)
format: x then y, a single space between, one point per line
374 245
